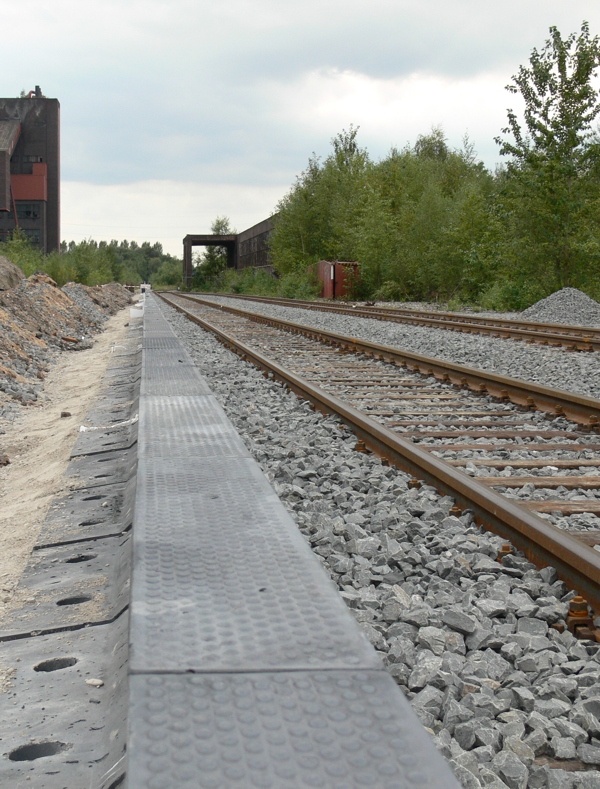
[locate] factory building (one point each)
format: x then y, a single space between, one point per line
30 169
245 249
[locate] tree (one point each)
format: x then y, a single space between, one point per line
213 261
409 219
548 198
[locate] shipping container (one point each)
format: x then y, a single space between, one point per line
335 277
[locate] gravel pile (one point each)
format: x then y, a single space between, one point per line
573 372
469 640
39 319
10 275
97 303
568 306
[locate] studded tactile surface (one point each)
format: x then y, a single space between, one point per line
188 427
170 381
223 580
331 730
168 342
174 356
224 584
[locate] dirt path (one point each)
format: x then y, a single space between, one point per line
39 444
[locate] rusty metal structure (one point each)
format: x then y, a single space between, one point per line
336 278
253 245
30 169
250 248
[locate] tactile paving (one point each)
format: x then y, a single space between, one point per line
174 356
329 730
189 427
223 580
247 668
170 381
166 342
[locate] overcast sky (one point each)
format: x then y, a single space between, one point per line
175 112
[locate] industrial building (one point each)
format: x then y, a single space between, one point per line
248 248
30 169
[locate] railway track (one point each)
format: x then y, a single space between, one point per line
524 458
573 338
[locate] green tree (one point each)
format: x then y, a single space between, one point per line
91 262
210 264
548 199
320 215
409 219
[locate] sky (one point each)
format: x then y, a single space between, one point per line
173 113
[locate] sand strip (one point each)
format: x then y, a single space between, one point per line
39 445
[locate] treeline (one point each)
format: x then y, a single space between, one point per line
429 222
96 262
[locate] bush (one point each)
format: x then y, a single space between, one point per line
390 291
94 263
296 284
512 296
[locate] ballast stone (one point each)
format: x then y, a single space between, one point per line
589 754
553 367
568 306
511 770
459 621
414 549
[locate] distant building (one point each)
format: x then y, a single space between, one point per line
253 245
30 169
250 248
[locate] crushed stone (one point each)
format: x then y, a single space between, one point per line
37 321
567 306
10 275
554 367
470 641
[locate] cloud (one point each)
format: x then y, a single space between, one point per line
162 211
240 92
395 111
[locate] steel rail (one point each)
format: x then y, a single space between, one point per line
577 564
577 338
585 411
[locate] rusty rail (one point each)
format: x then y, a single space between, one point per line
577 564
576 338
585 411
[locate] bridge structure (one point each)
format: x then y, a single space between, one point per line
248 248
207 240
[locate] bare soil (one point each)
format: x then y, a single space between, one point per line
39 443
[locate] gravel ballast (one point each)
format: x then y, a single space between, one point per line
567 306
560 369
468 639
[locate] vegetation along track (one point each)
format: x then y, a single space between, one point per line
571 338
523 457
